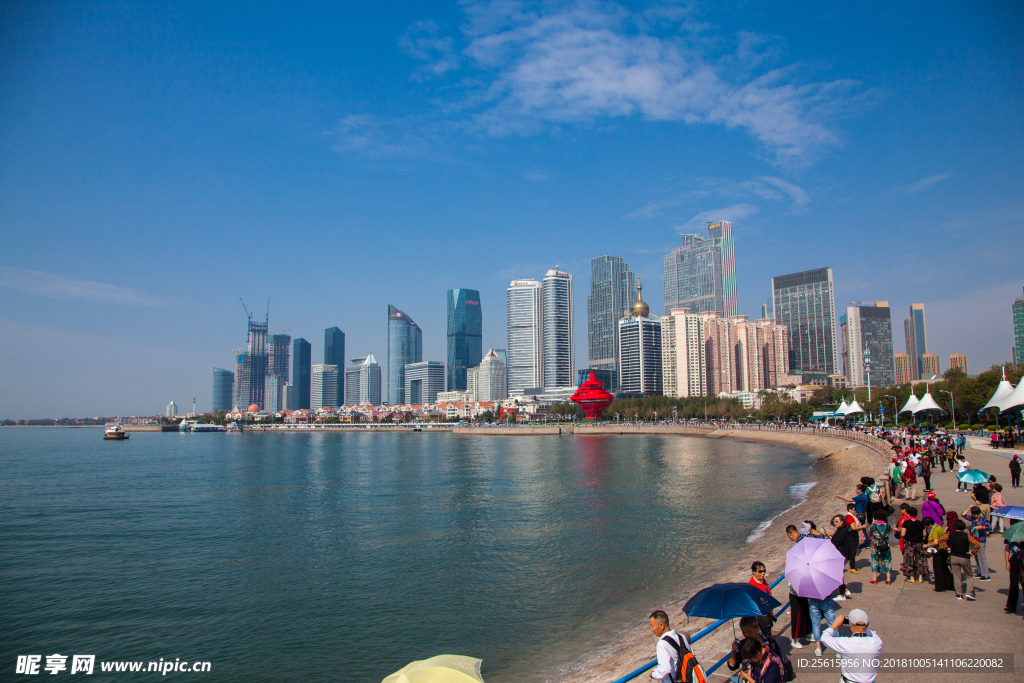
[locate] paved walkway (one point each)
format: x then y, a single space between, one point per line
912 619
984 445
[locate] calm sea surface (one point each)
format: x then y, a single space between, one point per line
288 557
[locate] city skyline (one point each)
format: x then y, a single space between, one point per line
821 140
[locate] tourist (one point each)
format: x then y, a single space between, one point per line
962 466
995 441
860 503
909 483
904 516
765 665
881 554
997 502
1014 562
759 579
1015 471
933 508
750 630
941 575
857 528
668 648
819 608
926 474
859 651
800 613
914 563
981 497
895 478
961 544
980 528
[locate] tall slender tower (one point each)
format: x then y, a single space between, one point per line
334 354
405 346
916 338
302 372
640 344
465 335
525 351
612 293
559 341
805 304
701 274
252 366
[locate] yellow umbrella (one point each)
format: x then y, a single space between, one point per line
439 669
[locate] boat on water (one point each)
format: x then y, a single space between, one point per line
188 426
115 433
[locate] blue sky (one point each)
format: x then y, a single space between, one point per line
158 162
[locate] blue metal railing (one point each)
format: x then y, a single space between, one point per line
700 634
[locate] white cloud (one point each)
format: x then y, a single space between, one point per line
54 286
922 184
651 210
537 65
762 187
797 194
732 214
363 134
423 41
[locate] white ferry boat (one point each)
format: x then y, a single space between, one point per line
115 433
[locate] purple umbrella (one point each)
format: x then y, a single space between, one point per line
814 568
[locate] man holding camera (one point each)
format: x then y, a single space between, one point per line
861 649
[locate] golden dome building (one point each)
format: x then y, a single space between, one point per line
640 372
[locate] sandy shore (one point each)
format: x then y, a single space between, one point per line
838 465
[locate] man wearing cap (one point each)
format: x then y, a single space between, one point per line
859 650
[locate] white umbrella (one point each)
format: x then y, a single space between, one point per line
843 407
926 403
854 408
1002 391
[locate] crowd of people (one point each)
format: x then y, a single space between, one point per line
944 544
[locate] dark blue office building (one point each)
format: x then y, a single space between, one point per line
302 371
405 345
334 354
465 335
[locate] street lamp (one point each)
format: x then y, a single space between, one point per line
952 406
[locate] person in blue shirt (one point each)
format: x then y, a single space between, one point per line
861 501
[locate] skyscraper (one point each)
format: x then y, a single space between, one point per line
930 365
279 354
223 389
491 381
369 382
701 274
465 335
805 304
867 345
334 354
352 381
302 369
288 396
325 386
1018 331
525 335
559 345
612 292
916 338
171 410
251 367
903 372
640 369
405 345
423 382
958 361
273 392
683 362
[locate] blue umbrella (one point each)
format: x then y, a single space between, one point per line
1009 512
973 477
730 600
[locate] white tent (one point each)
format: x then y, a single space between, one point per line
843 408
911 404
926 403
1014 399
854 408
1002 391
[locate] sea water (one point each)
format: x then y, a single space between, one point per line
343 556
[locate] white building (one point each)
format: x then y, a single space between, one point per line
640 362
369 382
172 410
525 334
491 378
559 345
423 382
455 397
683 363
324 387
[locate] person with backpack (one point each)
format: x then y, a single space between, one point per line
765 665
676 661
881 554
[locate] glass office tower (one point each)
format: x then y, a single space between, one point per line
523 361
916 339
334 354
701 274
1018 331
867 345
223 389
465 335
302 372
559 341
405 346
612 292
805 304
